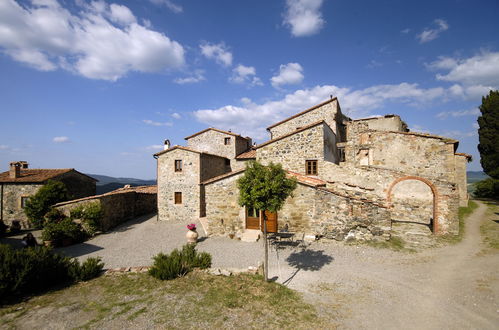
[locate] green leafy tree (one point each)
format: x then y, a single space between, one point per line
488 134
39 204
264 188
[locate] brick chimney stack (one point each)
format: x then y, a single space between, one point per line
15 170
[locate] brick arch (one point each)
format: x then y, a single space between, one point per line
433 190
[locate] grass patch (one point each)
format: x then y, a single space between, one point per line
463 214
395 243
490 226
197 300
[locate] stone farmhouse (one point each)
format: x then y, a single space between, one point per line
21 182
357 179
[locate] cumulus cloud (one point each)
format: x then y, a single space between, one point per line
154 147
242 74
176 115
304 17
156 123
218 52
289 74
4 147
473 77
170 5
100 41
429 34
251 119
60 139
196 77
461 113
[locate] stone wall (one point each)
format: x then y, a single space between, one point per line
329 112
292 151
386 123
117 208
187 182
461 179
212 166
11 208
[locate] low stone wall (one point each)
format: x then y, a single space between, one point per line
117 208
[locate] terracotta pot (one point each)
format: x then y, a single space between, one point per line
192 237
49 243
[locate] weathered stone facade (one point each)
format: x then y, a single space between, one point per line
367 175
20 183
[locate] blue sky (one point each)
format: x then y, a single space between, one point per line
98 86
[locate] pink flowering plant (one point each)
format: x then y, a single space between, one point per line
191 226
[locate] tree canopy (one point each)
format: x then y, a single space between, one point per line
264 187
39 204
488 134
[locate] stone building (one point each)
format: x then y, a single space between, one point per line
21 182
356 178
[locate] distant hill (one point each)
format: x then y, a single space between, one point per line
475 176
109 183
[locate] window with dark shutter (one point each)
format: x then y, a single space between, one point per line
227 141
178 165
311 167
178 197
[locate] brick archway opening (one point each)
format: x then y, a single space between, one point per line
435 226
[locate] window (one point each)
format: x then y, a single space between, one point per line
227 141
253 213
341 154
178 197
178 165
227 162
24 199
311 167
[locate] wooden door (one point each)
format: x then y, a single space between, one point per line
252 219
271 222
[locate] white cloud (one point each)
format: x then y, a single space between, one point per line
430 34
457 134
405 31
446 114
304 17
473 77
4 147
242 74
98 42
196 77
289 74
156 123
170 5
154 147
251 118
60 139
176 115
218 52
475 126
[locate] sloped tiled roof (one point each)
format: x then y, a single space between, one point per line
152 189
37 175
214 129
249 154
289 134
307 180
303 112
223 176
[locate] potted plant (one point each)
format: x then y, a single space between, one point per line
192 235
52 234
71 232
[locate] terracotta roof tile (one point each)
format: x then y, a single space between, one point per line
152 189
303 112
311 181
35 175
249 154
186 149
214 129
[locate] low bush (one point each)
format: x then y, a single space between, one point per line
90 215
179 263
30 270
488 188
89 269
54 216
39 204
65 229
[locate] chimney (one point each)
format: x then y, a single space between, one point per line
167 145
15 170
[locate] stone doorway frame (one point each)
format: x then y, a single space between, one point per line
433 190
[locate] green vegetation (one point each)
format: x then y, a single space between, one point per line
39 204
488 132
197 300
31 270
65 229
179 263
90 215
490 227
464 212
395 243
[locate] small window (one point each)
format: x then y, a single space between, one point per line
227 162
311 167
227 141
341 154
24 199
178 197
178 165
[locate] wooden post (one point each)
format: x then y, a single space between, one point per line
265 246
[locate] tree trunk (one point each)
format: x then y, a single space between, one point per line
266 248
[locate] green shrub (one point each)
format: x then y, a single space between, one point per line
90 215
52 232
89 269
63 230
488 188
39 204
178 263
54 216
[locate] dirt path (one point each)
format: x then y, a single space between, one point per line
455 287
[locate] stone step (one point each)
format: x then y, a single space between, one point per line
251 235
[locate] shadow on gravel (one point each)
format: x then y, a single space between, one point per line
78 250
310 260
130 224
